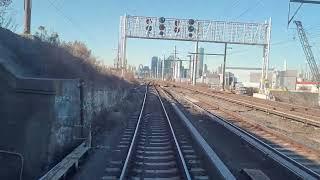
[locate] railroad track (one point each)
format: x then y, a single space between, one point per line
151 149
312 111
303 162
309 116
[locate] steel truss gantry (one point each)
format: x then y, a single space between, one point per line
143 27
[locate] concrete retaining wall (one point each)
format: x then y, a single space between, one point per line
42 119
97 100
37 120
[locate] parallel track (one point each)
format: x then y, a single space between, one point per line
294 162
309 116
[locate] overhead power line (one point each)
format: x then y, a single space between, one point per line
305 1
297 10
250 9
68 19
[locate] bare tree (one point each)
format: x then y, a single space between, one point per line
43 35
5 3
6 16
79 49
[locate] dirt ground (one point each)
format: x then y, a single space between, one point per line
107 130
118 115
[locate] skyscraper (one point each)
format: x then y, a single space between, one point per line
154 63
205 69
168 67
200 62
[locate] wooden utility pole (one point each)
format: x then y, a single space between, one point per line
27 16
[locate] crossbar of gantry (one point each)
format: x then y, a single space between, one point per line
208 31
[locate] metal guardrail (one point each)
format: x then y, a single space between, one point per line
20 157
60 170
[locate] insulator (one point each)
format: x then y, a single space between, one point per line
161 33
190 35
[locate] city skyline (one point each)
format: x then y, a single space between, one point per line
285 45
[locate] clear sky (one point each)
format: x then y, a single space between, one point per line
96 22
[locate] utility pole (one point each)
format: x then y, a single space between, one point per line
175 63
27 17
190 67
195 61
157 71
162 75
224 67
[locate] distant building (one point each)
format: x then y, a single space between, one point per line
308 86
230 79
200 62
285 79
219 71
154 64
205 69
168 67
146 72
160 68
213 80
255 77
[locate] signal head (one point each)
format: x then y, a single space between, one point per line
176 29
176 22
190 28
148 21
191 21
149 28
162 27
162 20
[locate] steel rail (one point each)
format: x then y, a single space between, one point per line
211 155
292 165
264 109
133 142
185 168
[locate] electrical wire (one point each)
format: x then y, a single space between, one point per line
249 9
68 19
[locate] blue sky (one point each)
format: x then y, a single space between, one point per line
96 22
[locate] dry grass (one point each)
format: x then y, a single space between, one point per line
45 60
